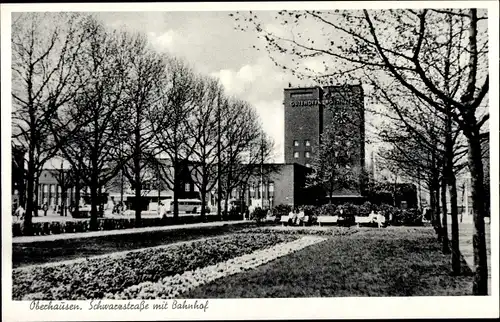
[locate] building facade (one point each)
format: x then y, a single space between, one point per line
309 111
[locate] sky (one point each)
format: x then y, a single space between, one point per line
209 42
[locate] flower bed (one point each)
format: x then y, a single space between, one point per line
92 278
173 286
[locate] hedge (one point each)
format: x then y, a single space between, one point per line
393 215
80 226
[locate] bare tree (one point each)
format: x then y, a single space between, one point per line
44 77
241 131
142 90
203 128
404 46
169 122
90 127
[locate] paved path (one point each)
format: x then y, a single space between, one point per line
466 230
33 239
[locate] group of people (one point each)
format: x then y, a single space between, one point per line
119 208
296 216
20 211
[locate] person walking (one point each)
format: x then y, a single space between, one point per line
163 210
19 213
45 208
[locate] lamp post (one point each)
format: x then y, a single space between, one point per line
158 184
63 195
121 173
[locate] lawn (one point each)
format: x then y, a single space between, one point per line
65 249
396 261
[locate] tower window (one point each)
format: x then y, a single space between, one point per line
295 143
308 154
296 155
307 143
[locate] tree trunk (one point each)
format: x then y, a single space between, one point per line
444 228
77 197
203 195
394 191
93 202
175 209
138 203
137 166
480 286
220 214
438 211
37 202
138 190
22 186
432 206
455 248
64 196
226 203
30 207
101 205
452 184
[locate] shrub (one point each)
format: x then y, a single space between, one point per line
409 217
16 230
365 209
55 227
390 212
327 210
312 212
258 214
347 217
282 210
80 226
69 227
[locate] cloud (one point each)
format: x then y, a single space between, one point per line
163 41
272 116
261 85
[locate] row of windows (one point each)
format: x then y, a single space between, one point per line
296 154
306 143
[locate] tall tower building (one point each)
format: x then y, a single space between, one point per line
308 113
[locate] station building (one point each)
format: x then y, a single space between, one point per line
308 113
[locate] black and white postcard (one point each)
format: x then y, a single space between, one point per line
202 161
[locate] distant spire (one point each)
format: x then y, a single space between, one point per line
289 85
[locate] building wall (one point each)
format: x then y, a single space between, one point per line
349 101
284 185
49 189
302 122
288 182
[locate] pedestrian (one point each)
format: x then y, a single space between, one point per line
19 213
292 216
161 210
45 208
250 210
269 215
124 208
301 215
